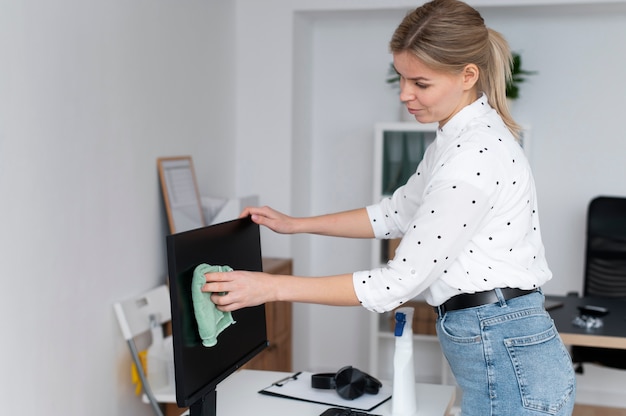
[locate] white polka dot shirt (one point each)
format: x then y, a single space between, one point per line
467 217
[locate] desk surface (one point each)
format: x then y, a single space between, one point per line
238 395
611 335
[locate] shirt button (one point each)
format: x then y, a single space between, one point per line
413 271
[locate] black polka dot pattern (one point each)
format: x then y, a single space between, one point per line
467 219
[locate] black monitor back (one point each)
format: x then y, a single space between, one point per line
198 368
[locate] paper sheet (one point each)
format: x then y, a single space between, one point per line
300 389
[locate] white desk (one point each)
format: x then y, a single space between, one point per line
238 395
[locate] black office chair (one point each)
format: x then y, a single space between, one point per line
605 270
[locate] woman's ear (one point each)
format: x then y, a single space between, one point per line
470 76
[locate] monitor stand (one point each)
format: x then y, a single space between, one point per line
205 406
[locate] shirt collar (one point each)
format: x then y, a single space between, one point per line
459 121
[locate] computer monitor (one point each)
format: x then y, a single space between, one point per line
199 369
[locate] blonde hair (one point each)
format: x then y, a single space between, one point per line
447 35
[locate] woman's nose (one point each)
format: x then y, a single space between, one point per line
406 92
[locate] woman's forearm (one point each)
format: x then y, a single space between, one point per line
240 289
330 290
353 224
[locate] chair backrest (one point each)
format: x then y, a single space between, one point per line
133 314
605 263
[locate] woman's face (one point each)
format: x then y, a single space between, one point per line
433 96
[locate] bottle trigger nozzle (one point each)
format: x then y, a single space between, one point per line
400 322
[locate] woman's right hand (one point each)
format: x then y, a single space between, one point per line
270 218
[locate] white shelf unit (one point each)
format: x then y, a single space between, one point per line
399 147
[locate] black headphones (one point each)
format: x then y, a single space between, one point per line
349 382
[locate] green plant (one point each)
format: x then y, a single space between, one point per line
518 75
393 77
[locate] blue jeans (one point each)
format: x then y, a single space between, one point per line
508 359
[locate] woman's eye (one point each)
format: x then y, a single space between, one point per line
421 85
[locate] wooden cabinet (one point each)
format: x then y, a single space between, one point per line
278 355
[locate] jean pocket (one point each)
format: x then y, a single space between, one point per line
544 370
460 329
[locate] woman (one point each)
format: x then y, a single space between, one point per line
471 242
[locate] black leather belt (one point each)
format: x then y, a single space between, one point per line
470 300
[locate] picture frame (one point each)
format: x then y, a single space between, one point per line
180 193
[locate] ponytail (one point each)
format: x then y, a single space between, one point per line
497 77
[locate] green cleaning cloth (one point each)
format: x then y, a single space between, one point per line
211 321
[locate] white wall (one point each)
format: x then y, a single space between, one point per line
91 93
350 62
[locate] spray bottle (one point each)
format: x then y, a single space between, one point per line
403 399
